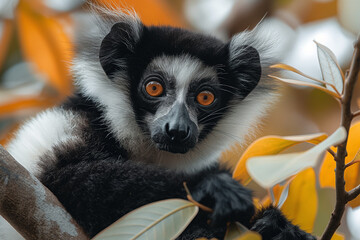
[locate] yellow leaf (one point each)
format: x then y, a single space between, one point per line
301 203
235 230
338 236
267 171
357 156
47 45
271 145
250 236
352 177
306 84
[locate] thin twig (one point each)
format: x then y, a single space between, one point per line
352 194
356 114
331 152
190 198
351 163
346 118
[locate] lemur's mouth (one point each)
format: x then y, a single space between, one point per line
173 148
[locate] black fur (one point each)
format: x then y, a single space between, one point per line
98 186
273 225
96 179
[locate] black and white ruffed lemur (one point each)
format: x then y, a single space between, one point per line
154 107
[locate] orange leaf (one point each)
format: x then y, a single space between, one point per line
352 177
270 145
24 104
154 12
47 45
46 7
301 203
5 36
338 236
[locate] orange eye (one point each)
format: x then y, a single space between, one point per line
154 88
205 98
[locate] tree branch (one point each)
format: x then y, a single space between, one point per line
30 207
352 194
331 152
346 118
356 114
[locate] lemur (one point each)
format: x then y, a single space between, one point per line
155 106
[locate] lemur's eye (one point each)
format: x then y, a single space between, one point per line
205 98
154 88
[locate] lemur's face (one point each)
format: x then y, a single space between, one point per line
180 83
180 97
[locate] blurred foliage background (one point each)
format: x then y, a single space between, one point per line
36 49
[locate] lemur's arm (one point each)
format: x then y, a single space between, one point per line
273 225
231 201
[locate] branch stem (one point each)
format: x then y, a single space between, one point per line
331 152
30 207
356 114
352 194
342 197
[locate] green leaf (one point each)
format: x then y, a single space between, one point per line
161 220
270 170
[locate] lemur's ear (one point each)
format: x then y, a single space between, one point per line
244 64
119 44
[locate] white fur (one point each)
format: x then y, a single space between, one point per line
35 138
40 134
113 98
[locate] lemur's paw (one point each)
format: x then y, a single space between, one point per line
229 200
272 225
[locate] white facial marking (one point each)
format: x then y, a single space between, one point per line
184 69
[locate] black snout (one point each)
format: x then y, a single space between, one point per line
177 133
178 125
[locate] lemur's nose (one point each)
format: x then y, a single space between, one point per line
177 127
177 132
